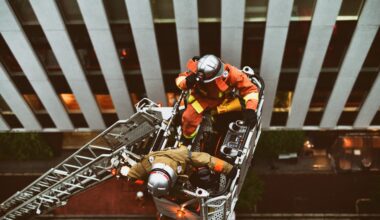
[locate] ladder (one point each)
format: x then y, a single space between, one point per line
85 168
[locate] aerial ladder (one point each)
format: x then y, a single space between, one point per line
151 128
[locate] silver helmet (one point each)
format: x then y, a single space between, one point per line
211 67
162 177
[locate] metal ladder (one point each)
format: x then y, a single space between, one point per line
86 167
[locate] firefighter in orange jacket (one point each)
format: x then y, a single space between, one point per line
211 81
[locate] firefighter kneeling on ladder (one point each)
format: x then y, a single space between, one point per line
211 83
161 169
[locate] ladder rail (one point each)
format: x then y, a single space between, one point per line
52 188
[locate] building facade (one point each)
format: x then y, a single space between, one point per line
68 65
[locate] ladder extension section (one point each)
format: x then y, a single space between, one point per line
88 166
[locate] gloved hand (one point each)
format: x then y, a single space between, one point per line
196 58
250 117
232 173
191 80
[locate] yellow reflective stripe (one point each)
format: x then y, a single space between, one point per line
191 136
197 106
179 80
220 94
253 95
190 99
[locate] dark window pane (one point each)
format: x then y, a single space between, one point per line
323 89
253 40
60 84
83 46
169 83
313 118
24 11
3 105
295 43
105 103
35 103
209 37
347 117
125 45
135 83
45 120
287 82
339 43
78 120
23 85
373 56
256 9
361 88
209 8
116 11
110 118
162 9
167 46
70 11
303 8
350 7
41 47
279 118
376 119
97 84
7 58
12 121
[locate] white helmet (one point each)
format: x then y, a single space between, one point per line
162 177
211 66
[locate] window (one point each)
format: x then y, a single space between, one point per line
4 108
162 9
105 103
70 102
34 102
256 10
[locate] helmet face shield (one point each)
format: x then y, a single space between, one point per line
162 177
210 67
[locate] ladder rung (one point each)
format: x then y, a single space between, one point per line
60 172
84 157
99 147
70 165
49 199
60 191
74 185
88 177
43 184
35 189
51 178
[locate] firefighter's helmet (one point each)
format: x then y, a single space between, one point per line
161 178
211 67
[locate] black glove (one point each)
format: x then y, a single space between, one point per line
232 173
250 117
196 58
191 80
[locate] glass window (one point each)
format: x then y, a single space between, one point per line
295 43
209 38
42 47
322 90
34 102
70 102
45 120
253 40
350 8
125 45
339 43
279 118
162 9
78 120
167 45
4 106
376 119
347 118
24 11
313 118
256 10
373 55
105 103
116 11
70 11
209 9
12 121
7 58
303 9
362 86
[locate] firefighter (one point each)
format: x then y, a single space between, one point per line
161 169
210 82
